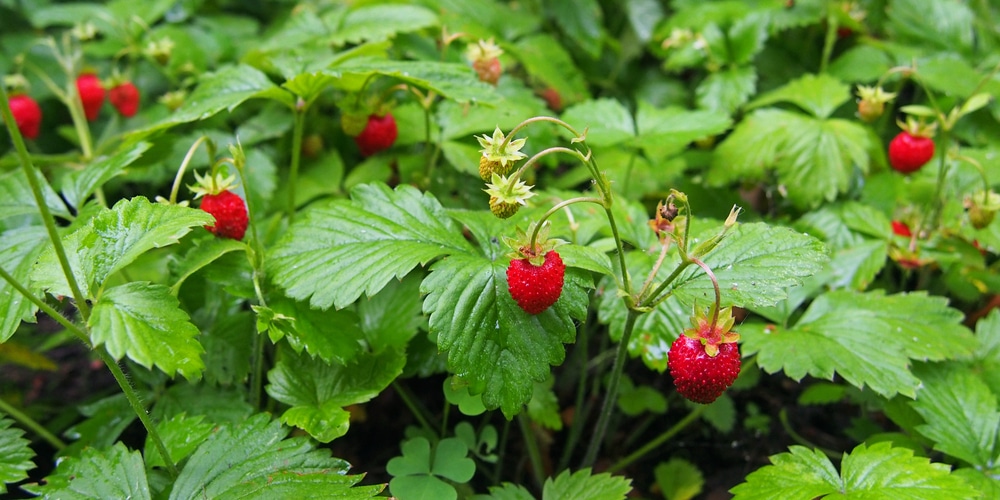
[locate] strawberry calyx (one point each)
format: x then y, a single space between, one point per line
211 184
483 50
508 190
917 128
711 337
521 247
500 156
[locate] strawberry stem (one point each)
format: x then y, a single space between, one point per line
715 286
557 207
293 176
183 168
611 397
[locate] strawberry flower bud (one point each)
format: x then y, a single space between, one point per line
498 158
507 195
871 103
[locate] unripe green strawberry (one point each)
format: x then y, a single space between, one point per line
536 288
699 377
503 210
488 167
91 94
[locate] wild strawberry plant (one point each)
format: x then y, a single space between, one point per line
489 249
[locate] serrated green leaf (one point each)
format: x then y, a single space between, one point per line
97 473
114 239
181 435
18 250
861 63
341 249
508 491
78 185
679 479
746 38
665 132
144 322
16 198
204 252
755 263
228 344
945 26
584 485
827 340
317 391
878 471
331 335
498 348
987 355
240 460
588 258
820 95
606 120
454 81
544 406
814 159
727 90
392 317
544 58
15 454
308 86
218 404
380 22
960 412
105 420
226 88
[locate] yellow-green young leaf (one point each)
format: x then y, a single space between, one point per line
144 322
317 391
960 412
18 250
15 454
113 472
380 22
679 479
835 335
584 485
114 239
340 249
254 459
878 471
499 349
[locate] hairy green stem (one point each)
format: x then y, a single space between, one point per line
47 309
611 397
531 446
43 208
787 426
30 423
659 440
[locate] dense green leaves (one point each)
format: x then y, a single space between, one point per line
835 335
144 322
317 391
255 459
498 349
340 249
378 22
18 250
15 454
114 239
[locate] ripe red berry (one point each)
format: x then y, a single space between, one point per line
230 214
379 134
125 98
699 377
27 115
907 152
536 288
91 94
901 229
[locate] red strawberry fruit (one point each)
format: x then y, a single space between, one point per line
27 115
379 134
913 147
125 98
536 287
91 94
228 208
901 229
489 70
705 360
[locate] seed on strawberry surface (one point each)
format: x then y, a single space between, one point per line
698 377
536 288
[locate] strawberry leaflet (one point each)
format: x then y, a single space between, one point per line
492 344
343 248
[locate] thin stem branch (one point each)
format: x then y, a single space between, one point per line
715 286
557 207
47 309
611 397
43 208
410 403
30 423
175 188
293 175
659 440
531 446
